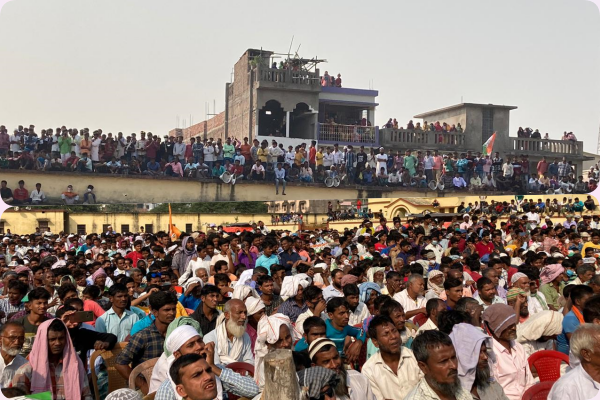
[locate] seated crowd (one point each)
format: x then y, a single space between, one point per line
411 310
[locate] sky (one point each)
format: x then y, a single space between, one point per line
137 64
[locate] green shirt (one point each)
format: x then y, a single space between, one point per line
551 294
228 150
64 144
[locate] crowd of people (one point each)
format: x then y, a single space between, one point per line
415 309
444 127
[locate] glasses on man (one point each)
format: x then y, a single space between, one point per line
15 339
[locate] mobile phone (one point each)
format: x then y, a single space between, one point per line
82 316
165 286
318 270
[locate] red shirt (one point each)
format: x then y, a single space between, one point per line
312 153
134 256
20 194
483 249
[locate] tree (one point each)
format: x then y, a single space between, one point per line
246 207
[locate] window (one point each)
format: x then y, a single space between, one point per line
81 229
105 228
487 128
124 228
43 225
2 228
188 228
149 228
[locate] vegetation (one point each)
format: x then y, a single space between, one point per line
246 207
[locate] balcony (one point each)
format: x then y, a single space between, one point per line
403 139
348 135
548 148
287 79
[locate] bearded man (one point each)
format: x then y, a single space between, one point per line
232 343
13 337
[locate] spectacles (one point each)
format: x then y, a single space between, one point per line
15 339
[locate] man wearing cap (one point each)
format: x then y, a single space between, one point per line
352 384
467 223
511 368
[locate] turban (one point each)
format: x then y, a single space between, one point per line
245 277
467 340
254 305
179 336
366 289
191 281
550 272
289 286
316 378
267 332
517 276
543 323
178 322
241 292
124 394
372 271
499 317
349 279
99 272
514 292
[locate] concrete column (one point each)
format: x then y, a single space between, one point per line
287 124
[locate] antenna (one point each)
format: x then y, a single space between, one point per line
290 49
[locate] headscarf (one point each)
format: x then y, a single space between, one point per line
316 378
254 305
289 286
372 271
499 317
366 289
245 277
550 272
513 293
72 365
432 274
267 332
124 394
241 292
99 272
191 281
467 340
179 336
181 321
516 276
187 255
22 268
543 323
349 279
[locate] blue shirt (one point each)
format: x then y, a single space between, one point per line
264 261
190 301
142 324
339 337
301 345
570 323
288 260
109 322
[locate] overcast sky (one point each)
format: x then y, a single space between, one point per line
137 64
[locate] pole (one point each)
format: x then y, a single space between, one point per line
281 381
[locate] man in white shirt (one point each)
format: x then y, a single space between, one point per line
393 371
411 298
258 171
582 381
358 310
467 223
534 218
338 156
382 160
12 336
209 155
179 148
274 153
37 196
328 159
434 307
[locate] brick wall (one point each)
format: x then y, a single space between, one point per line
212 128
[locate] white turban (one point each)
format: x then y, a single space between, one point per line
516 277
268 332
372 271
543 323
254 305
179 336
289 286
240 292
190 281
245 277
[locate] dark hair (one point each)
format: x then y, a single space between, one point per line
72 301
579 292
448 318
389 307
117 288
432 304
429 340
591 310
311 293
482 282
9 393
313 322
20 286
219 264
463 303
209 289
65 289
57 326
301 359
182 362
92 291
260 270
336 303
351 290
263 279
160 299
377 321
220 278
38 294
452 283
61 311
335 272
9 324
275 268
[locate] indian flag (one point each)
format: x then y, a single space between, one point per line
489 145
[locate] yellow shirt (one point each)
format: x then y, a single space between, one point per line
591 245
319 158
262 154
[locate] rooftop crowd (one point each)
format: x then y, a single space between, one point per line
76 150
413 309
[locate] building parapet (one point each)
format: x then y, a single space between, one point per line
287 79
404 139
546 147
349 134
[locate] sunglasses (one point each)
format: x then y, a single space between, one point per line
157 275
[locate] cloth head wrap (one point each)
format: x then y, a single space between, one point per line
179 336
438 289
181 321
543 323
550 272
317 345
241 292
499 317
467 340
254 305
372 271
191 281
267 332
349 279
245 277
316 378
99 272
513 293
289 286
366 289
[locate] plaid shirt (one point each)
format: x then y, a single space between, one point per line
7 309
24 313
22 380
143 346
232 382
292 309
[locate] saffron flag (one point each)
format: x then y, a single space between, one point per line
489 145
174 233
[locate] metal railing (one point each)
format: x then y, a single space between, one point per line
288 77
424 139
558 147
347 133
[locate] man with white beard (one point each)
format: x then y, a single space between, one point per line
13 337
232 343
352 384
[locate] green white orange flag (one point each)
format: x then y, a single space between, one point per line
489 145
